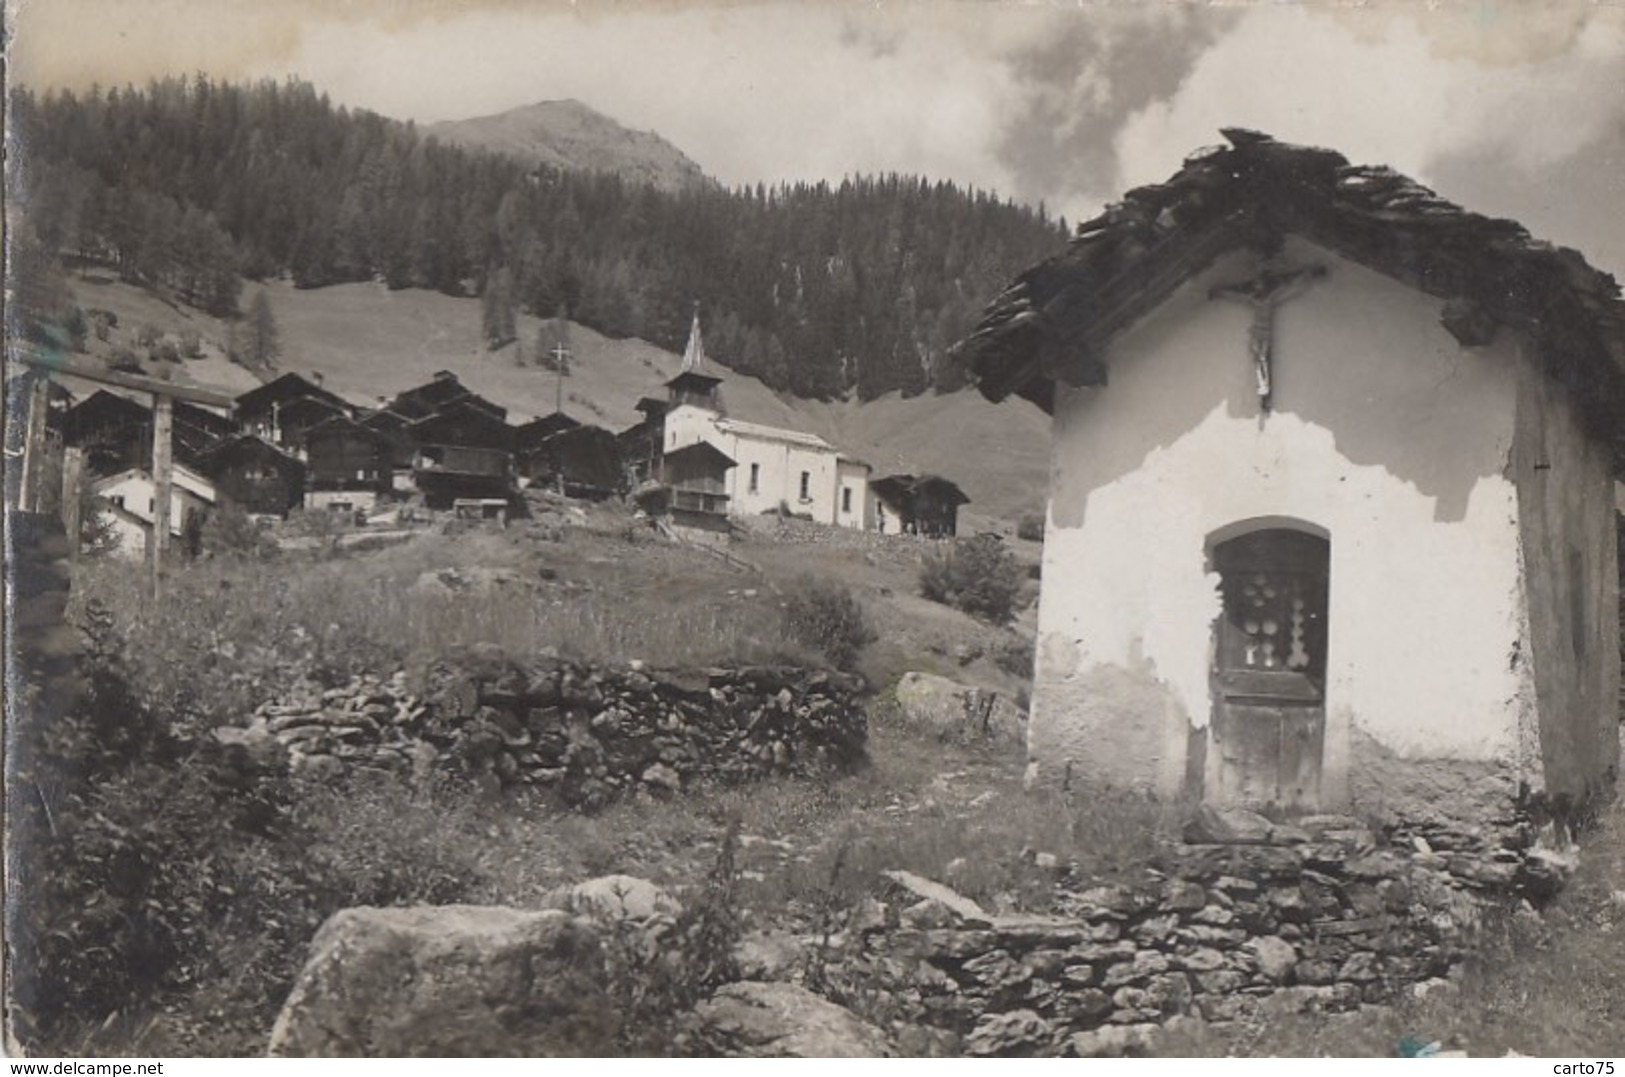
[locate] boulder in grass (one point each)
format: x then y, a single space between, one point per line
780 1020
454 980
956 711
614 897
1215 825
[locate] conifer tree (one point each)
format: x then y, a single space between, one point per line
259 343
496 308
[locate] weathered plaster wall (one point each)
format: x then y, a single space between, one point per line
1565 505
1385 435
854 477
781 465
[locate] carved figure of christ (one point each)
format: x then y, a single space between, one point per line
1264 293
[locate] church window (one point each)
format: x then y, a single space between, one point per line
755 477
846 499
806 486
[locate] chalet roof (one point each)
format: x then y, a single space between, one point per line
226 452
193 432
763 432
1053 320
895 488
384 419
462 423
702 453
343 424
540 429
102 409
309 405
182 475
203 419
652 406
288 387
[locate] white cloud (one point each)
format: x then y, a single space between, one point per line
1521 116
1384 93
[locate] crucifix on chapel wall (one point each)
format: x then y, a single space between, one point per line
1264 292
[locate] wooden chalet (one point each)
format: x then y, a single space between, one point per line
925 505
296 419
641 444
439 393
693 488
115 432
531 435
461 452
269 412
255 475
392 426
348 465
579 461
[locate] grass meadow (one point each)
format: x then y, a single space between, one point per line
233 882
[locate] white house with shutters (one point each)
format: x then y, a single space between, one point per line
776 469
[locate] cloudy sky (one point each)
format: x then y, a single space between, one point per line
1513 107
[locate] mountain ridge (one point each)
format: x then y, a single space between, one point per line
570 134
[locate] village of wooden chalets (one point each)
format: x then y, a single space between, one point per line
489 588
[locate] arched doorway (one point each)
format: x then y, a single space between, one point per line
1268 733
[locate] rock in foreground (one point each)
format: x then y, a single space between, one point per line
779 1020
453 980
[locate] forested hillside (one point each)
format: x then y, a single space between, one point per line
816 289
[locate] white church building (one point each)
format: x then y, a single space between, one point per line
776 469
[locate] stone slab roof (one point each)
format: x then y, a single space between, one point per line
1054 321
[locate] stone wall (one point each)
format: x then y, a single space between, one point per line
1314 919
587 733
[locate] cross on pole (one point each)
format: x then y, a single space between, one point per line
1264 293
561 358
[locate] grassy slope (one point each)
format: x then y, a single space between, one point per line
1554 987
367 341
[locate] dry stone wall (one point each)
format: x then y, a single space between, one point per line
1315 919
587 733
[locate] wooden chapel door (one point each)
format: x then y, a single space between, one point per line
1269 669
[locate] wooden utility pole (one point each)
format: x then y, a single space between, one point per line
39 400
163 481
73 462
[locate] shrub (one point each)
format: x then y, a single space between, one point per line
164 868
230 531
824 615
1031 527
978 576
151 862
1015 657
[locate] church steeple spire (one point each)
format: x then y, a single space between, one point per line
693 385
694 354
